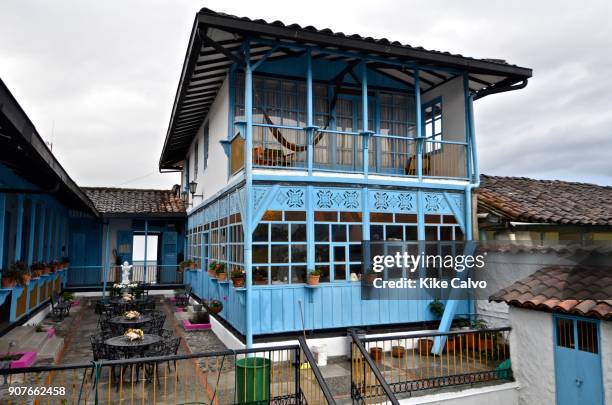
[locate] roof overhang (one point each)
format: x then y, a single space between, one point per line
25 153
216 44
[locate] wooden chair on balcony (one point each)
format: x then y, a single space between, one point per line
411 166
272 157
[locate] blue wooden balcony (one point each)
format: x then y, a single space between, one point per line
291 148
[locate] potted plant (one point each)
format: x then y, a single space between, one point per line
215 306
376 353
238 278
221 274
212 269
24 278
67 296
314 276
46 268
193 265
9 278
37 269
66 261
398 351
436 307
425 346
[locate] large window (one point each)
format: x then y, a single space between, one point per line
205 146
432 120
196 159
279 248
338 251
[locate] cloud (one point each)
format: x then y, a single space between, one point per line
98 78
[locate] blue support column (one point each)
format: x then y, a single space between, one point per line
32 231
106 258
310 233
2 236
248 170
365 134
419 123
56 238
309 112
49 236
19 225
145 248
41 233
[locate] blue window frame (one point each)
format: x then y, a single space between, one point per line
432 125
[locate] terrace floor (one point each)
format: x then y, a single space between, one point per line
208 379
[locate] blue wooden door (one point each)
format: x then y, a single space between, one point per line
124 245
78 260
577 361
169 258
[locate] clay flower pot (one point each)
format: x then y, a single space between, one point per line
212 273
398 352
425 346
313 279
192 266
238 282
376 353
46 270
8 282
222 276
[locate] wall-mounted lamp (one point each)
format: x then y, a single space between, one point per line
185 197
193 186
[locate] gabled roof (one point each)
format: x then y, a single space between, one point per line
215 44
582 291
546 201
136 202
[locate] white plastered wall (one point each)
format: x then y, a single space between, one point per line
606 359
532 355
453 108
214 177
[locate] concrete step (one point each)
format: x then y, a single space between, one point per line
50 349
18 335
33 342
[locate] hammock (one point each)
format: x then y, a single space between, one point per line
278 135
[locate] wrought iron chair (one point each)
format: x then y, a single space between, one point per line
58 308
182 298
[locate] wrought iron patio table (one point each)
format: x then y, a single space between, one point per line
133 348
122 321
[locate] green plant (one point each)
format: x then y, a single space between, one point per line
436 307
236 272
315 272
479 323
215 306
220 269
38 266
67 296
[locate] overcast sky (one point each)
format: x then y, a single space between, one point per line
98 78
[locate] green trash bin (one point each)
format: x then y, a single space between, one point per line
253 380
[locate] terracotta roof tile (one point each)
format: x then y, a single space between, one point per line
551 201
115 201
584 291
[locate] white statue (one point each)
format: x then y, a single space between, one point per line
125 273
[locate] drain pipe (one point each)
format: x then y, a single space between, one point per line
500 89
452 304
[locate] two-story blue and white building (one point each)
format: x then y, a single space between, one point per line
296 144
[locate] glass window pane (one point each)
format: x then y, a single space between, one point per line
321 233
298 232
376 232
280 274
587 336
565 333
279 253
339 233
322 253
279 232
298 253
298 274
261 233
339 253
394 232
355 253
339 272
260 253
324 272
260 275
355 233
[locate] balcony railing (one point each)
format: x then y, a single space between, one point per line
418 362
286 147
279 375
152 274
